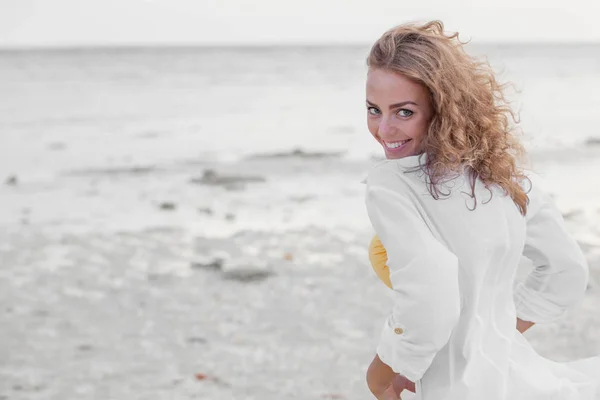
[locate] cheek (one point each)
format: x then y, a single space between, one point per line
373 127
418 128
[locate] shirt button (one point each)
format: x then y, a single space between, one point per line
398 331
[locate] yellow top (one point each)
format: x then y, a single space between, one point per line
378 258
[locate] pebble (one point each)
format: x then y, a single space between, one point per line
229 216
246 269
11 180
593 141
167 206
211 177
214 264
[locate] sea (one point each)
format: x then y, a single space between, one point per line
285 126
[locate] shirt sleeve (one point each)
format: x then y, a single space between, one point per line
560 272
423 274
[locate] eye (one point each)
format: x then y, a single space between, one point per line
403 112
372 108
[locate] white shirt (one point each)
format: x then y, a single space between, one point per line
452 328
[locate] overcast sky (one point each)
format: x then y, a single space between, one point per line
131 22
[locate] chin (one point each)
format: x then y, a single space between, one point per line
392 156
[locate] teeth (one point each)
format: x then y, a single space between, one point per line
393 145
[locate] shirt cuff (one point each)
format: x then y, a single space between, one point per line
393 350
532 307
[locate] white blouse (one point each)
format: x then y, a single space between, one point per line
452 328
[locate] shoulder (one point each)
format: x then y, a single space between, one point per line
536 188
397 169
385 173
387 183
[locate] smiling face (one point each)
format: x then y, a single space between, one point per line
398 112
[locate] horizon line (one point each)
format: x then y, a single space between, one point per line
238 45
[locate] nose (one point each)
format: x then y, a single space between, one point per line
386 129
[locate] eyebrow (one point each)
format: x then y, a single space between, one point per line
394 105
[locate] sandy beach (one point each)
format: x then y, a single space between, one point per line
93 310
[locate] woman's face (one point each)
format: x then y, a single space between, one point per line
398 112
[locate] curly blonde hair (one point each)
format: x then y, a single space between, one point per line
472 119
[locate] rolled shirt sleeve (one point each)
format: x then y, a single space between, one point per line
423 274
560 272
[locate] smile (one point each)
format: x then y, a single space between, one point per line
396 146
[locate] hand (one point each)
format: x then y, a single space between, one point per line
522 326
390 394
394 390
400 382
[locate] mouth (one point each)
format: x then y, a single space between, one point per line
394 147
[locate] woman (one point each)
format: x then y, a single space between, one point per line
455 213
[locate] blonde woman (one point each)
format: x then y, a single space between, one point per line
454 212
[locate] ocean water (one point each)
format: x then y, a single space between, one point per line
103 137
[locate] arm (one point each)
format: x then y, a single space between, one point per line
423 275
378 258
380 377
560 274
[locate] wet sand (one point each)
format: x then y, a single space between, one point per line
132 284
